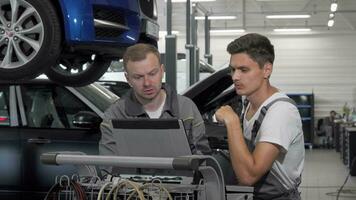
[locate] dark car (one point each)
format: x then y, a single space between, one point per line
73 42
39 116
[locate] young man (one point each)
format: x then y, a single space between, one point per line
272 157
149 98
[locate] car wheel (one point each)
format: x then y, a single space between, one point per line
30 38
78 71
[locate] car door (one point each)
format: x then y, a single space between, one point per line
49 110
10 153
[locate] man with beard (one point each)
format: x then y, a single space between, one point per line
149 98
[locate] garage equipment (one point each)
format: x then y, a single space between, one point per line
210 187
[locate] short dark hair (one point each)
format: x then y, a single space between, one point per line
257 46
139 52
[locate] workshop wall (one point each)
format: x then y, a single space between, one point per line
324 64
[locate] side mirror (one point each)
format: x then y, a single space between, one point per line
86 119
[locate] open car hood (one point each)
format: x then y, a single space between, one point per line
206 90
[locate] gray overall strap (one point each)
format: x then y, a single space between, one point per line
268 187
258 121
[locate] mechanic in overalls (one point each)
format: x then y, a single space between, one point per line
267 151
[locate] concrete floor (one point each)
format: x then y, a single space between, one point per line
323 175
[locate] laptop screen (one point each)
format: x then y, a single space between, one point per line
151 137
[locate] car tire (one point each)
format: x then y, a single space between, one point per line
62 73
32 43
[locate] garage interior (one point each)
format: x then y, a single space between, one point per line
319 60
48 127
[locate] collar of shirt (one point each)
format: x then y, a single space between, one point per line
134 108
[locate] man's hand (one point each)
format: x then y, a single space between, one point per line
226 114
248 166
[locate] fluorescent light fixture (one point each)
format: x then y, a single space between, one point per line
272 0
215 17
333 7
292 29
331 23
183 1
164 33
287 16
228 31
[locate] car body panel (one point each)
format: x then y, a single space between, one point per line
10 157
79 24
38 176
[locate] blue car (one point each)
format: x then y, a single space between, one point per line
71 41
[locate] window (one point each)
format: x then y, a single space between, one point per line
4 106
51 106
68 105
97 95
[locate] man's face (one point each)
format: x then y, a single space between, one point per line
246 74
332 114
145 77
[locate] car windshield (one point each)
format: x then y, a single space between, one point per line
98 95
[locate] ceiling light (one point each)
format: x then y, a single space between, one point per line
331 15
183 1
333 7
287 16
330 23
291 29
164 33
215 17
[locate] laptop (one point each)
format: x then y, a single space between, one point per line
151 137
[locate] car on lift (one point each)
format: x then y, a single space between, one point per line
73 42
38 116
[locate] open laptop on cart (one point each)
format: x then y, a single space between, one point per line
151 138
160 138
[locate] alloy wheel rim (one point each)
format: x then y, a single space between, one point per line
21 33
